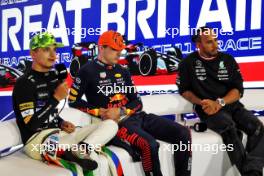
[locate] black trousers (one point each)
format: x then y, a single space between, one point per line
141 131
228 122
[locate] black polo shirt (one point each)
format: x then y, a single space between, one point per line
209 79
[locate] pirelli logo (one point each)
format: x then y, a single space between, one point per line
24 106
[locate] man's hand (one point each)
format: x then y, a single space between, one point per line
67 126
61 91
210 107
111 113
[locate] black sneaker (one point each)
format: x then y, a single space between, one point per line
86 164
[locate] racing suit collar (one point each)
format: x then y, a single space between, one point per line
107 66
40 73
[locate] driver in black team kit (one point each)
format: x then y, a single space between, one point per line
110 94
211 80
45 135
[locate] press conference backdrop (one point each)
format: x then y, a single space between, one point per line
157 23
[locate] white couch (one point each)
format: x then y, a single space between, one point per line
204 163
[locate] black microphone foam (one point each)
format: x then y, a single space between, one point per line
62 72
199 127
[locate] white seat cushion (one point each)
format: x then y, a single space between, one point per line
20 164
9 134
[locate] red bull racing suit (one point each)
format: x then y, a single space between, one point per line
111 86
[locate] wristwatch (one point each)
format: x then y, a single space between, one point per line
221 101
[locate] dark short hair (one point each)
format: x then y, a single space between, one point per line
196 37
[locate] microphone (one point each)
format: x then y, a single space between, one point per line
61 72
199 127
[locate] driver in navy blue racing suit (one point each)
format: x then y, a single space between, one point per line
110 94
